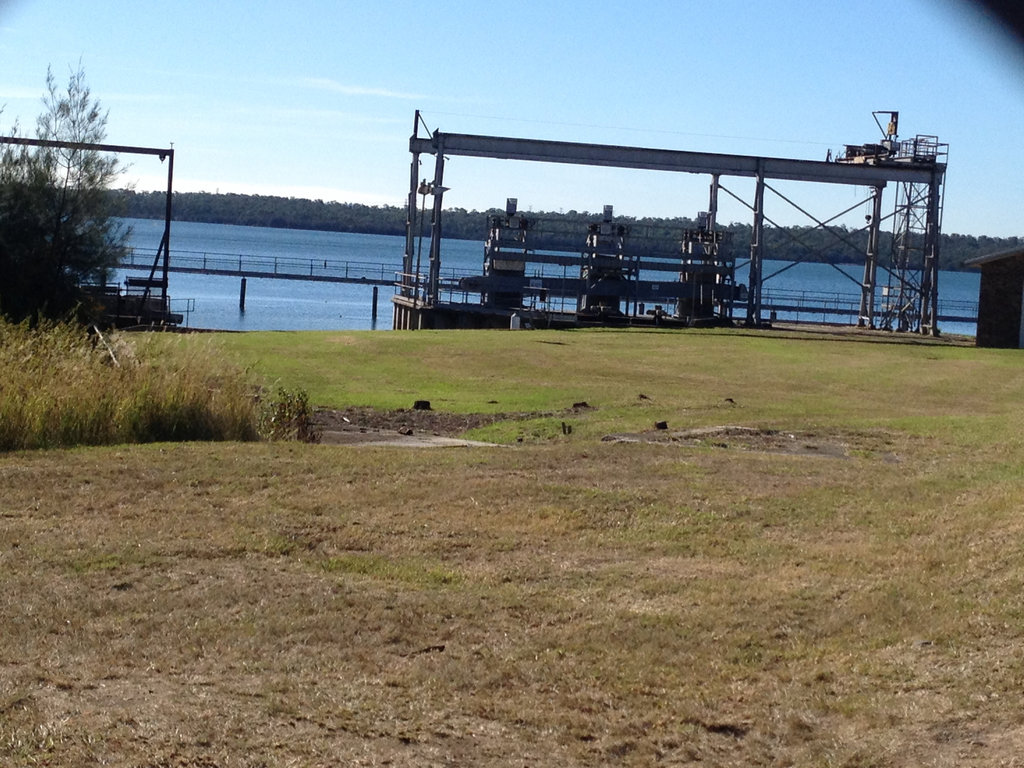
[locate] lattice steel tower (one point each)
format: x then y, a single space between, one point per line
910 295
913 287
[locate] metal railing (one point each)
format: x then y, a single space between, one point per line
836 304
281 267
826 304
183 307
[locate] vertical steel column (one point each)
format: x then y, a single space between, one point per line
435 221
867 287
930 269
167 230
713 202
410 217
724 308
756 251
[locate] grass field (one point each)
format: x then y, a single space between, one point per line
839 585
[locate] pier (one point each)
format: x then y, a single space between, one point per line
463 287
273 267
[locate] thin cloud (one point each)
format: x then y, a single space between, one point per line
15 92
326 84
133 98
311 114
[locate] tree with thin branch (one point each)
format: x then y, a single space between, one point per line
57 226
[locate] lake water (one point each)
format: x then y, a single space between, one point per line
270 304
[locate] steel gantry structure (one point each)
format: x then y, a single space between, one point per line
917 167
161 261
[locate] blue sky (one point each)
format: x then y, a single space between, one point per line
316 98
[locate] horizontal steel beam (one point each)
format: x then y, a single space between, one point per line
119 148
628 290
501 148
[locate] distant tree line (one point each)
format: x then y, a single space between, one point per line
266 211
795 243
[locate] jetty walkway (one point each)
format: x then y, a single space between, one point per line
274 267
827 307
801 306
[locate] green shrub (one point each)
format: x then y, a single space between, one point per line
288 416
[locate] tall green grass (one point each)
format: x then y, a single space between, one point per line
61 386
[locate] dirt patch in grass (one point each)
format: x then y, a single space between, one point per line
804 443
413 427
430 428
432 422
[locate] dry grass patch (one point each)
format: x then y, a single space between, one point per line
62 386
566 604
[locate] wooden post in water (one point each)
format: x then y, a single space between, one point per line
373 310
241 297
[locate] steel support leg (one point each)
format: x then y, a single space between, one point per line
411 221
756 254
930 271
435 225
867 295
